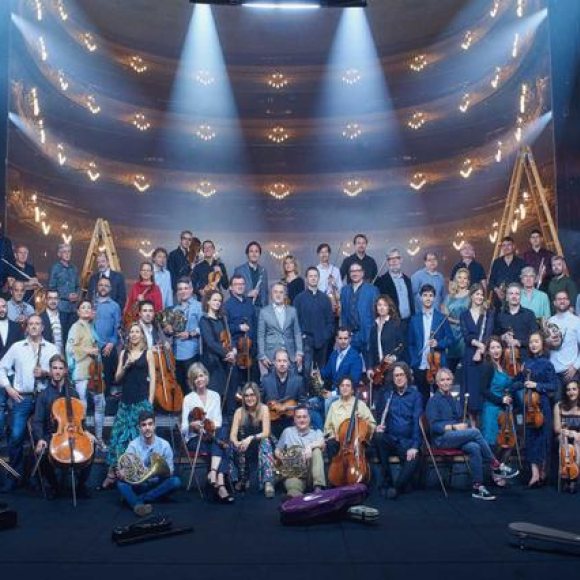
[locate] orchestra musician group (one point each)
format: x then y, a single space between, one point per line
304 383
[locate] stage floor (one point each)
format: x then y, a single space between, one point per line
421 535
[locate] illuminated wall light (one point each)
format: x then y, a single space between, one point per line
498 153
467 40
60 154
459 242
351 76
41 131
465 103
352 188
279 190
205 189
62 10
138 64
45 228
520 5
93 172
418 63
414 247
516 45
205 132
279 251
37 214
278 134
146 249
494 232
204 77
64 226
352 131
140 122
418 182
525 196
34 102
66 238
416 121
140 182
277 81
523 211
64 84
519 129
496 77
524 94
92 105
495 8
467 169
42 49
38 9
89 41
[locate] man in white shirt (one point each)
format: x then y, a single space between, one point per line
566 358
330 281
53 322
29 360
18 310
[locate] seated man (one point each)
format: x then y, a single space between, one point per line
44 426
311 442
449 431
399 411
139 496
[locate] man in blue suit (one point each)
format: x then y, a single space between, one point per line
254 275
428 329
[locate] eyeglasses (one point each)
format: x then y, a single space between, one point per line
249 396
399 374
394 258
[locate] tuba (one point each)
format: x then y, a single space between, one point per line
292 463
135 473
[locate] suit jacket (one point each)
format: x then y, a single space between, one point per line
47 332
443 336
357 312
14 335
386 286
271 337
118 288
294 388
244 270
350 366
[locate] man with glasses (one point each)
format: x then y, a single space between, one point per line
504 270
177 263
475 269
429 276
357 300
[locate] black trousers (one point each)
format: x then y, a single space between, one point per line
51 471
388 447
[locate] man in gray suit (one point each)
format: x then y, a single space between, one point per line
278 328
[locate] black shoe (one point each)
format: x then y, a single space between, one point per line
225 498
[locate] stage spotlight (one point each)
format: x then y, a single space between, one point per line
287 4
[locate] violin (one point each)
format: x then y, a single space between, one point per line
243 346
193 252
70 446
512 360
213 280
384 367
131 313
279 409
350 464
434 362
208 428
96 383
533 411
506 433
168 393
568 466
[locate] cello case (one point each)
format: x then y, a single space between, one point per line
326 504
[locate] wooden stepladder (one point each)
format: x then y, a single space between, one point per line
101 241
525 173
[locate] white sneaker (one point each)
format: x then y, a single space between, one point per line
505 471
269 490
482 493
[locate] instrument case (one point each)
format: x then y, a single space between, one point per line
531 536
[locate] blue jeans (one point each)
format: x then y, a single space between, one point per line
3 407
149 491
472 443
20 413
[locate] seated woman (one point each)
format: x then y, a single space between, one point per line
340 411
250 435
567 424
538 377
197 438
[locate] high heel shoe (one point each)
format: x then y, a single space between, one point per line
214 482
224 498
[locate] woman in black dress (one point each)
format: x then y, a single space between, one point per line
291 278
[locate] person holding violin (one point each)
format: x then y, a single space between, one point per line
255 275
429 337
330 280
387 341
202 428
217 352
567 427
340 411
454 305
178 262
534 386
144 289
44 426
514 323
291 278
399 410
136 374
209 274
449 430
476 325
250 436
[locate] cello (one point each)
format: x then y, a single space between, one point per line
96 383
168 393
350 464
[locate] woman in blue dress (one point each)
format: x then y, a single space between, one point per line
538 375
476 328
456 302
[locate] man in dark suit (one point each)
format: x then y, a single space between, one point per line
178 262
118 288
10 332
280 385
54 322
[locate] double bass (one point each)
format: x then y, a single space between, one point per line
350 464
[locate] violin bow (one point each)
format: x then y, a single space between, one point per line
518 453
380 270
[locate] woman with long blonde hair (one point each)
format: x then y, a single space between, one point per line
291 277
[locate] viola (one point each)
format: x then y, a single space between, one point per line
279 409
168 393
70 446
568 465
208 428
350 464
506 432
96 383
384 367
243 346
213 280
533 411
434 362
512 360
